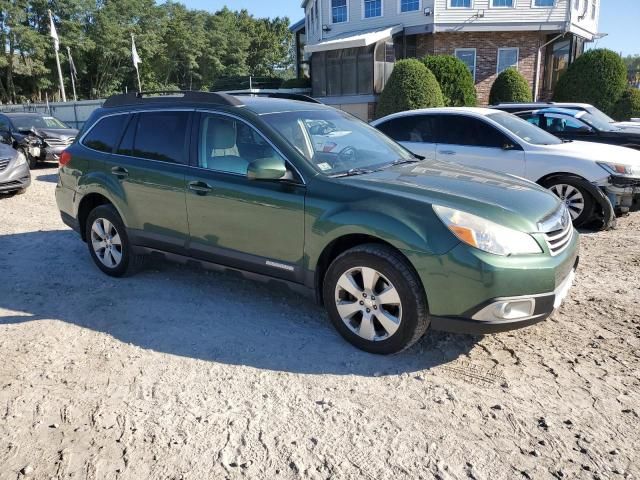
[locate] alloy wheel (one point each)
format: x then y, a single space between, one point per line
106 242
368 303
572 198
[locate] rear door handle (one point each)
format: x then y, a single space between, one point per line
201 188
447 152
120 172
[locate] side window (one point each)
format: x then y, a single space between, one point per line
560 124
414 128
161 136
229 145
4 124
105 134
461 130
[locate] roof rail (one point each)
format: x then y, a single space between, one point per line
171 96
271 94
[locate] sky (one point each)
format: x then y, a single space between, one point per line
619 18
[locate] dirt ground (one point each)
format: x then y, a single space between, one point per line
178 373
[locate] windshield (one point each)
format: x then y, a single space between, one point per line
336 143
600 115
29 122
524 130
596 122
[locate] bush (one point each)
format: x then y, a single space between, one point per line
454 78
296 83
628 106
510 86
598 77
410 86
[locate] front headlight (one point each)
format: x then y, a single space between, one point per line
21 160
618 169
485 234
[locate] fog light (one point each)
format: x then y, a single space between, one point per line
507 310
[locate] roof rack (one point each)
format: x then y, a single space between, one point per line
171 96
275 94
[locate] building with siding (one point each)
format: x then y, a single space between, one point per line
351 45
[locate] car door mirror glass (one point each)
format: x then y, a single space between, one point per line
272 168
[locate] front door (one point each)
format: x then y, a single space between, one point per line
249 224
475 143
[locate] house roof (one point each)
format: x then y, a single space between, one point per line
356 39
296 27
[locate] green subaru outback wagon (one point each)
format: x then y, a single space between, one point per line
296 191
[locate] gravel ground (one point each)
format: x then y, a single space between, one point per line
178 373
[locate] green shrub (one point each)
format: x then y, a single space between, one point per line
628 106
454 78
296 83
510 86
410 86
598 77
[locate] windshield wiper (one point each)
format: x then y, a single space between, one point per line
353 171
402 161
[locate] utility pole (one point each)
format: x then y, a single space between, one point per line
56 47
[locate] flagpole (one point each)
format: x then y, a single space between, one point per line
55 46
73 81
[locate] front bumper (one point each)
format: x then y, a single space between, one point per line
15 178
52 154
624 193
462 283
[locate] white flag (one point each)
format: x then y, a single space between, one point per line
134 53
53 33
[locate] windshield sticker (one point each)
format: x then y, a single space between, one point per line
324 166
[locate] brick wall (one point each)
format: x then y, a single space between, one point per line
487 45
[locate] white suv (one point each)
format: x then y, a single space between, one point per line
593 179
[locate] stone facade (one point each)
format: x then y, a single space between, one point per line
487 45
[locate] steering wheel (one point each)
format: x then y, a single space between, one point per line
347 156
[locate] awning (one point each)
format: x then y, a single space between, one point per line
354 39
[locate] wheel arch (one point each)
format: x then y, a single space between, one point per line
89 202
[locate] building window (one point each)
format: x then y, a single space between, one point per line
594 8
339 12
460 3
372 8
507 57
544 3
502 3
468 56
409 5
576 5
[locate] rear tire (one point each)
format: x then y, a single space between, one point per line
375 299
576 197
109 244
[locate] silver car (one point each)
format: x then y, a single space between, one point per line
15 176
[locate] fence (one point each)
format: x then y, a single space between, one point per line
73 114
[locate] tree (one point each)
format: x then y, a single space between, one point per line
410 86
628 106
598 77
454 78
510 86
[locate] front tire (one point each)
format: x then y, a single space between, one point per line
576 197
108 242
375 299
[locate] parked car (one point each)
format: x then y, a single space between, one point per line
599 115
388 243
15 176
39 137
579 125
592 179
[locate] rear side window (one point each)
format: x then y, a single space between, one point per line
105 134
413 128
159 136
468 131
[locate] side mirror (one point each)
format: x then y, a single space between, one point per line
272 168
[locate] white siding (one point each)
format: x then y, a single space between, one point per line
582 21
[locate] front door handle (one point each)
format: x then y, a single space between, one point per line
447 152
201 188
120 172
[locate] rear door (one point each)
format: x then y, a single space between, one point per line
150 165
414 132
476 143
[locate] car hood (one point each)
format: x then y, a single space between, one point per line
599 152
61 133
511 201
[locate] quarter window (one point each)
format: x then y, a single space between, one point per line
372 8
460 3
468 56
105 134
409 5
507 58
161 136
338 11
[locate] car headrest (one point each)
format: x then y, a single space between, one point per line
221 135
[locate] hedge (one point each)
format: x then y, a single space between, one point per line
598 77
628 106
510 86
410 86
296 83
455 79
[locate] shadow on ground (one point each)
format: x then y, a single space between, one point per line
51 178
192 312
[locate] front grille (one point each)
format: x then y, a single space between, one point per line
4 163
560 238
58 142
11 184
